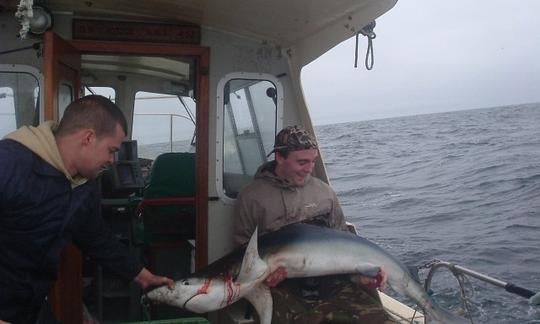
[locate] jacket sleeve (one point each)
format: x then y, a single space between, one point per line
6 168
244 219
95 239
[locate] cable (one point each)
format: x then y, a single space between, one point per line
35 46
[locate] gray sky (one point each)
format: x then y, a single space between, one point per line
432 56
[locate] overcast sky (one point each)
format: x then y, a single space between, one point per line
432 56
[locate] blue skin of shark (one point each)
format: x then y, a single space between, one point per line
303 251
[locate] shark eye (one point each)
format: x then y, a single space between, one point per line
185 283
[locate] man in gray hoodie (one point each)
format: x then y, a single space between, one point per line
284 192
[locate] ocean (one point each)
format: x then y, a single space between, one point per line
462 187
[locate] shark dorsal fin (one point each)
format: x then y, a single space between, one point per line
253 267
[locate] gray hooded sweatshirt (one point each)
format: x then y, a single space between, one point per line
271 202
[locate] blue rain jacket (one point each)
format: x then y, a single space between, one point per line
39 214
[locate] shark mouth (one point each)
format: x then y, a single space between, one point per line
202 291
187 300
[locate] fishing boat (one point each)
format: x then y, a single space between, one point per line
205 86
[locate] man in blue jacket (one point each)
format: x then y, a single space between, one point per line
48 197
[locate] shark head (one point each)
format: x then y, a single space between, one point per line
196 294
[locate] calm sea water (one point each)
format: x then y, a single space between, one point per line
462 187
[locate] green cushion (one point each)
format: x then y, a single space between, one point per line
172 175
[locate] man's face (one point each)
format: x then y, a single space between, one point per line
297 166
98 152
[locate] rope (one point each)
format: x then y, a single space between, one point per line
370 57
412 319
465 300
356 52
145 307
369 54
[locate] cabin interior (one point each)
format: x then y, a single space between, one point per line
205 86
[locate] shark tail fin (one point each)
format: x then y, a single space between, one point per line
253 267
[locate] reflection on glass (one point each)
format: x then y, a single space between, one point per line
7 111
19 101
250 115
163 123
65 97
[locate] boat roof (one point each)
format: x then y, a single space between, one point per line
311 27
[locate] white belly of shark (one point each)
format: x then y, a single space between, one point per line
302 251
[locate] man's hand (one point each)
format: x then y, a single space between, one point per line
147 280
2 322
379 281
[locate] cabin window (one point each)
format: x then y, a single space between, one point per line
19 100
106 92
163 123
250 114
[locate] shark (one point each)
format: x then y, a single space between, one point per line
294 251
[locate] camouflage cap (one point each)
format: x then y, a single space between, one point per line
294 138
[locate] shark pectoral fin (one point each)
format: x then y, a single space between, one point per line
253 267
261 299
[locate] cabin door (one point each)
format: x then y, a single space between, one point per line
202 59
62 74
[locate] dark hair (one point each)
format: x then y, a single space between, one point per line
93 111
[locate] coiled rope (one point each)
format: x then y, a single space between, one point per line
370 58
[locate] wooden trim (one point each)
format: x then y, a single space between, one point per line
131 48
66 296
62 63
164 201
126 31
202 55
203 99
50 100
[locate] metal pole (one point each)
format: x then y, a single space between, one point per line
509 287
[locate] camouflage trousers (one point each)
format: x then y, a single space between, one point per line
347 303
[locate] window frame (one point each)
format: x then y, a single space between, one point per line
36 73
220 121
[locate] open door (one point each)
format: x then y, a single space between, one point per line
62 75
62 72
202 58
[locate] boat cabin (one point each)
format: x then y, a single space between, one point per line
205 87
